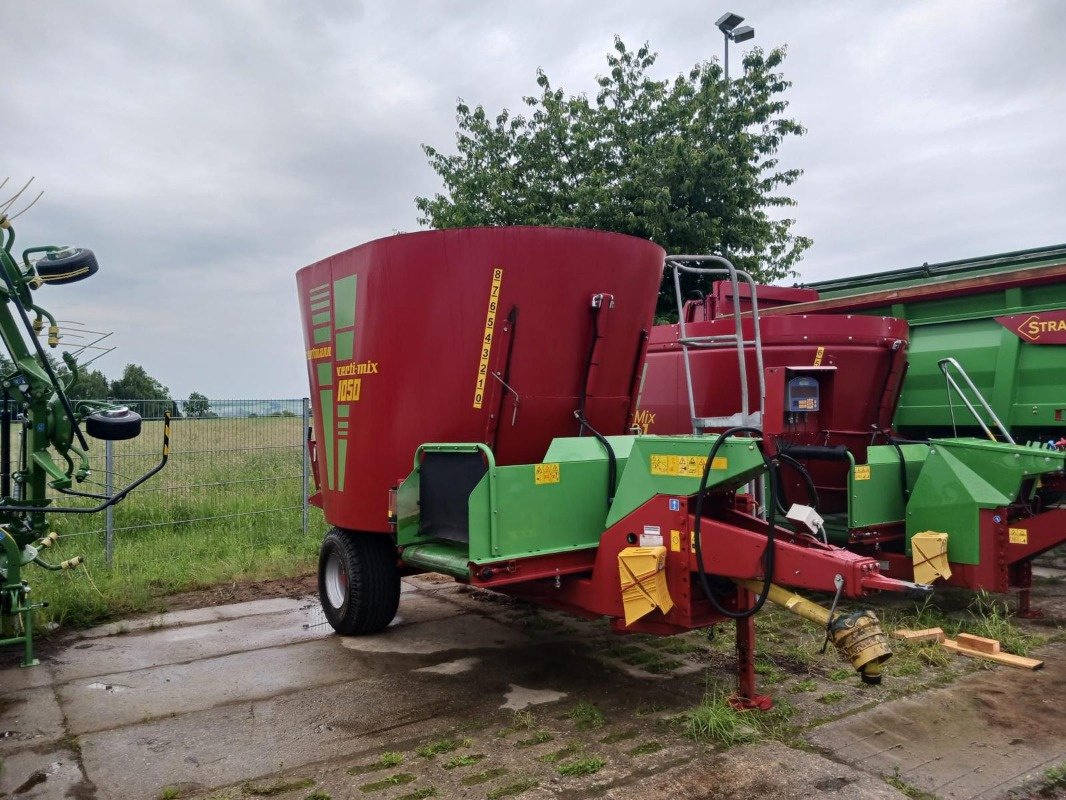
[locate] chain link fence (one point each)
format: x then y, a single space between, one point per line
234 464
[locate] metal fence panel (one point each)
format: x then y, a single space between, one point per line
230 461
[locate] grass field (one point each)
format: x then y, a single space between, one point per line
225 508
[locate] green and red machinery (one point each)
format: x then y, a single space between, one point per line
52 456
474 396
839 375
1002 317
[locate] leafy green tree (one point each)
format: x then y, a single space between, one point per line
197 405
689 163
141 392
91 385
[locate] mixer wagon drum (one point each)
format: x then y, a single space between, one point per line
504 337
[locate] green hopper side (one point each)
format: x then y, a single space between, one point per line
1002 317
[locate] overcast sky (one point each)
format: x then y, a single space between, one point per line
207 150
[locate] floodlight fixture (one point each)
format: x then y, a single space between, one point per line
743 33
728 21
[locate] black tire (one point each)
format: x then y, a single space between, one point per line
358 583
113 426
68 265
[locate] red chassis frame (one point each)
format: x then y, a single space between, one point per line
732 541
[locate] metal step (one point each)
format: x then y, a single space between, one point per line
439 557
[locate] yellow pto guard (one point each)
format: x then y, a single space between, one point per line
643 577
929 550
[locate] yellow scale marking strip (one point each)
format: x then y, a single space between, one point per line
486 342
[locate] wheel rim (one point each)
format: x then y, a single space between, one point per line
336 580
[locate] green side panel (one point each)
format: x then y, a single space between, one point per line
321 334
325 374
652 456
963 476
582 448
538 519
342 410
344 301
878 499
407 511
345 345
320 319
321 305
342 452
325 399
449 559
1018 378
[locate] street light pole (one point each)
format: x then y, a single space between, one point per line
733 31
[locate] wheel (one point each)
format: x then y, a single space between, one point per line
67 265
358 584
115 426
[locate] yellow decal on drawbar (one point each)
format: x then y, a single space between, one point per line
862 472
545 473
684 466
1018 535
486 340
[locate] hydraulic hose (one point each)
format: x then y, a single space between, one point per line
812 490
612 459
771 514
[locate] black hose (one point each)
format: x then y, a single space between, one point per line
612 460
812 490
771 511
904 491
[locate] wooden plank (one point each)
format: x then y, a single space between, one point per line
926 635
971 642
1006 659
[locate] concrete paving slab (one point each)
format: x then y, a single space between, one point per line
246 741
123 698
183 643
769 771
978 738
197 616
28 718
44 773
15 678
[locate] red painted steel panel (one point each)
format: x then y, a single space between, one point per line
1038 327
418 309
862 349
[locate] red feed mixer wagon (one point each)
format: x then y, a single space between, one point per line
824 386
474 395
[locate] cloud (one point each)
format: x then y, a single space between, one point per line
207 151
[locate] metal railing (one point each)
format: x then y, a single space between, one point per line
945 365
736 339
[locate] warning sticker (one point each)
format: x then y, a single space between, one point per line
652 536
862 472
675 541
545 473
1018 535
684 466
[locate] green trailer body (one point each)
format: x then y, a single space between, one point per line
1003 318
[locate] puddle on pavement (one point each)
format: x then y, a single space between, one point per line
518 697
452 667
